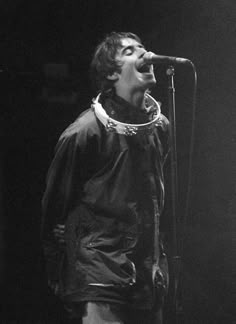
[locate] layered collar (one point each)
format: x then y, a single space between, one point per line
117 115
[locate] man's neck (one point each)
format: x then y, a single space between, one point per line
135 99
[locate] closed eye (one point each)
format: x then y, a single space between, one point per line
128 50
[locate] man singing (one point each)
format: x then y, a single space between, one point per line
105 195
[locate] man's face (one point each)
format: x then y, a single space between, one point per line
134 75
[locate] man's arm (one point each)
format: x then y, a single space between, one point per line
56 203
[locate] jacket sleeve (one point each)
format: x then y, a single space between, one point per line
59 184
63 185
71 167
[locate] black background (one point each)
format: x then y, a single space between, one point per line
37 106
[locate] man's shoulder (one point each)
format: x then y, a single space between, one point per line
85 123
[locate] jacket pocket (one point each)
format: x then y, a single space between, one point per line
106 263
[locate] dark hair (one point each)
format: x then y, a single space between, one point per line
104 62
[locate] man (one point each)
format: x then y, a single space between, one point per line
105 195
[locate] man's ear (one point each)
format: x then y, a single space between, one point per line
113 77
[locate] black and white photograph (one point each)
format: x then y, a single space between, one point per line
118 162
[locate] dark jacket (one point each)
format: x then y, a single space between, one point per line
108 189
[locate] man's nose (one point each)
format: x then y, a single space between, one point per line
141 52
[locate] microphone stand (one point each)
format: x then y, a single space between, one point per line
175 261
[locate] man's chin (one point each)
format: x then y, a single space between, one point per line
153 83
147 81
150 82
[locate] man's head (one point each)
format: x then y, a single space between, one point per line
115 63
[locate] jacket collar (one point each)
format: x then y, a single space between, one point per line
121 110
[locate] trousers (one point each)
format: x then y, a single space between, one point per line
111 313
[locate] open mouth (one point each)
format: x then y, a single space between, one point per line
144 68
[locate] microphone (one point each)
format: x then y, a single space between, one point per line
151 58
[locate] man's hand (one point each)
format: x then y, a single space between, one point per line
59 233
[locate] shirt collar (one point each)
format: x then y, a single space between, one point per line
121 110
